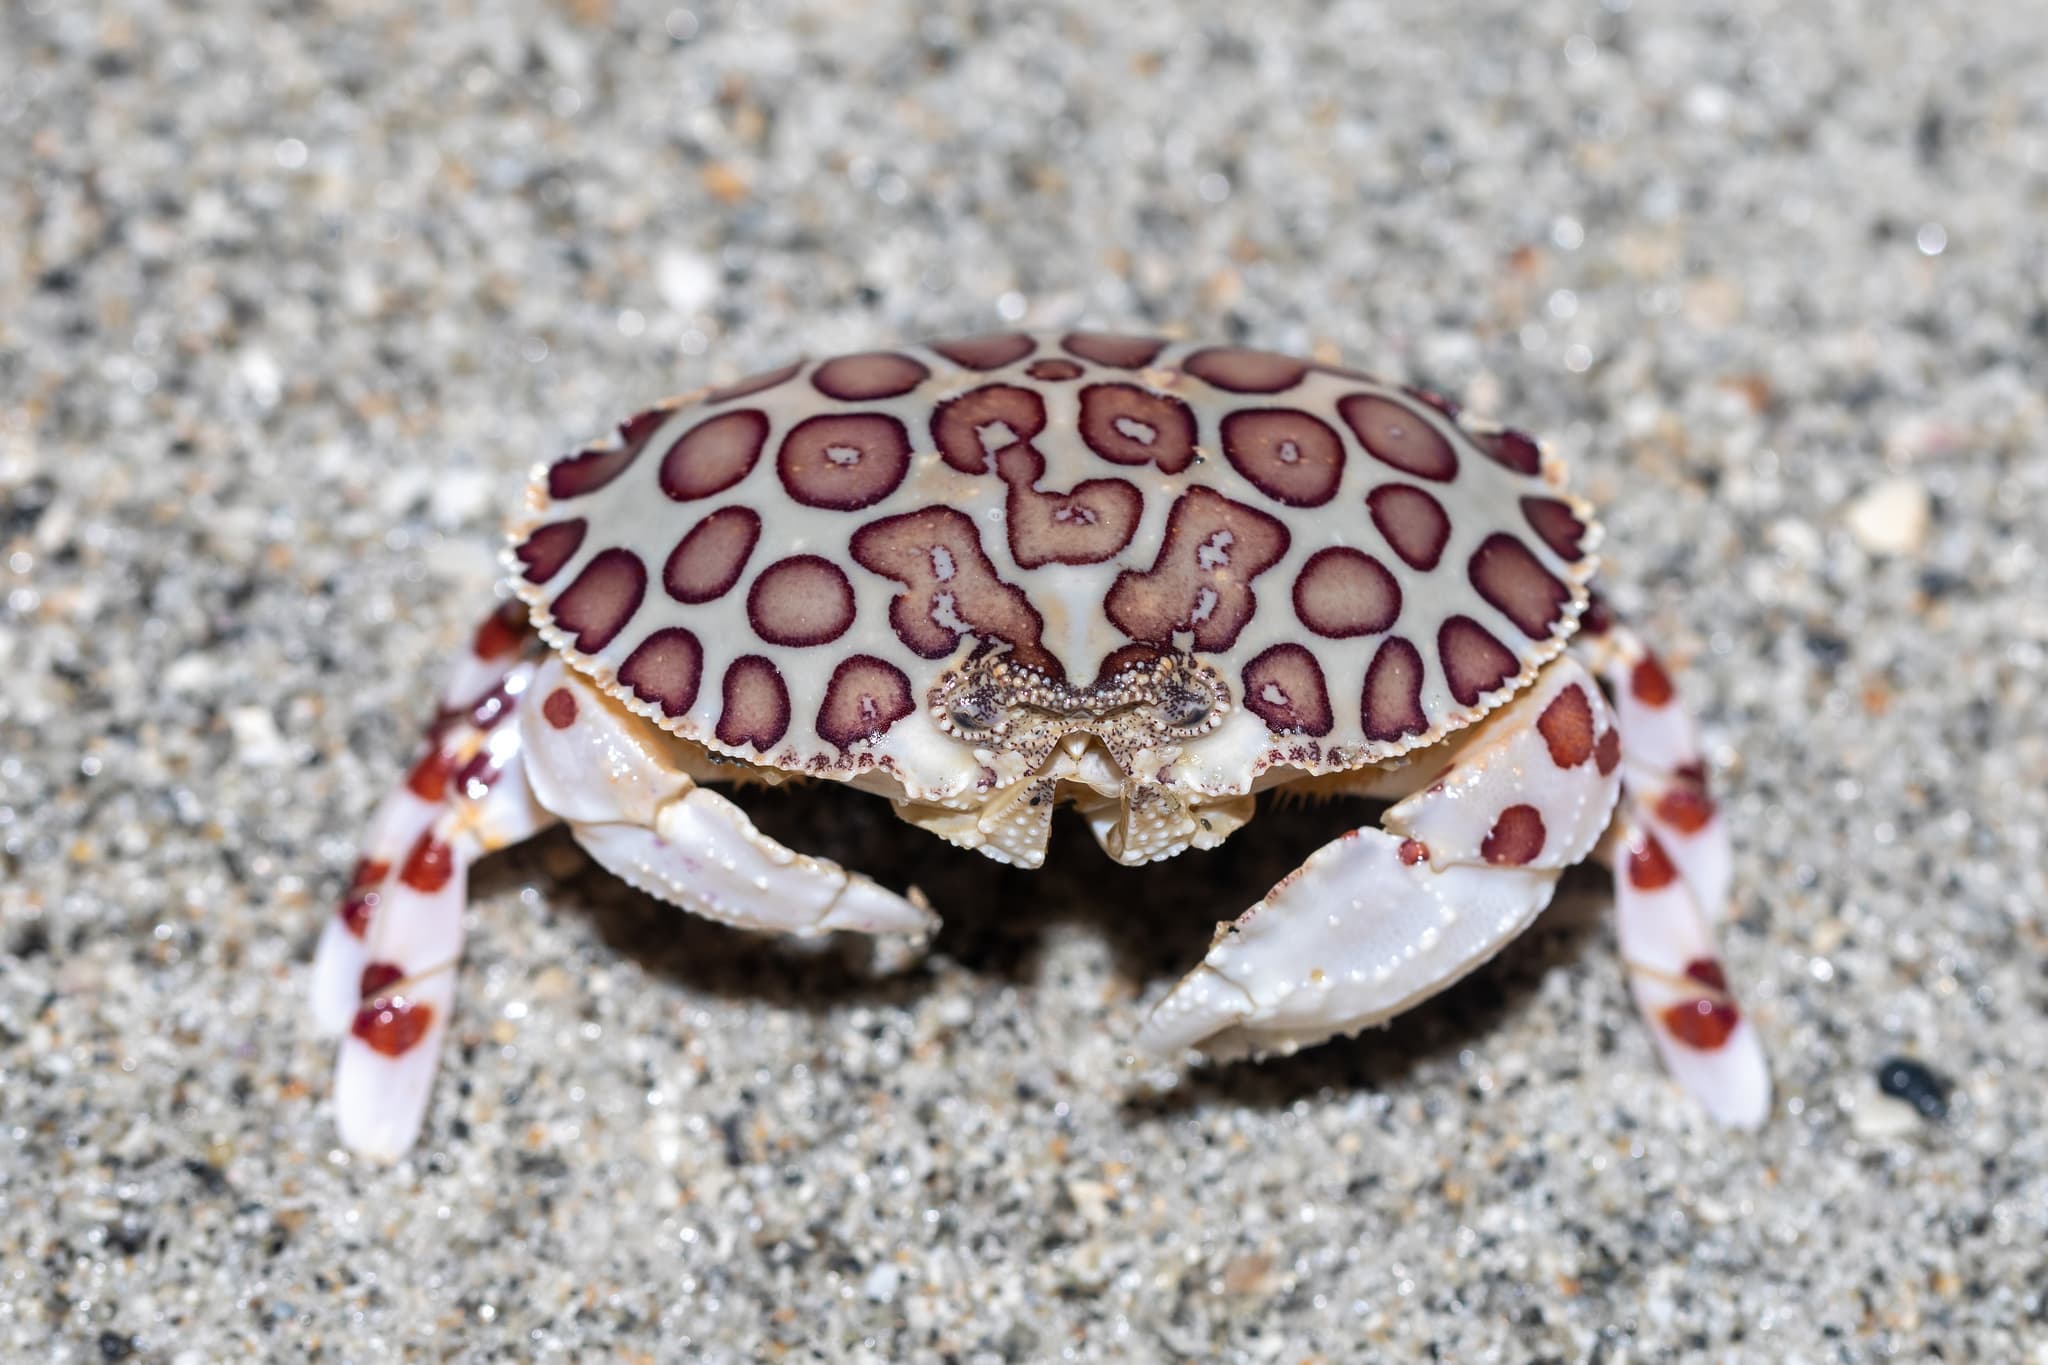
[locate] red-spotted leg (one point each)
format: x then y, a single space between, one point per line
520 742
1382 918
384 975
1672 872
631 796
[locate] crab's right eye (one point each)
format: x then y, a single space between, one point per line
971 716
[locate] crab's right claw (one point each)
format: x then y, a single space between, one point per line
636 811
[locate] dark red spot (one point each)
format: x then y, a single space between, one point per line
665 669
1342 593
865 697
1116 349
589 470
1392 701
429 865
755 383
595 607
501 633
986 352
1413 851
1649 868
1413 522
391 1025
950 586
376 976
1567 727
475 778
756 704
1284 687
1692 771
1200 582
1598 618
368 872
1290 456
867 376
1686 809
489 710
547 548
985 421
844 462
560 708
1125 424
1474 662
429 777
1087 524
1556 524
1514 450
1245 371
1649 682
1396 434
1053 371
1516 837
1707 971
800 601
356 910
714 455
1507 574
1607 750
707 562
1704 1022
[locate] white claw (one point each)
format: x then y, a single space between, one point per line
1204 1004
867 908
1353 938
705 855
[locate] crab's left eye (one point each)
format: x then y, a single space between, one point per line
1188 709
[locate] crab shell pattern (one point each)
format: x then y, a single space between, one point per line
990 576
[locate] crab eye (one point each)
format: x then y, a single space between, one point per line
1188 709
971 715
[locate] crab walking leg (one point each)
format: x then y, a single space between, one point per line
1382 918
617 781
1672 871
383 976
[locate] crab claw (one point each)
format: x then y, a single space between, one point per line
1353 937
1382 918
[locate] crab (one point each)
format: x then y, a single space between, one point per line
984 578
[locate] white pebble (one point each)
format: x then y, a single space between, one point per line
687 281
1890 518
257 741
881 1283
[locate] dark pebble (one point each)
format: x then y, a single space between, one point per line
1905 1079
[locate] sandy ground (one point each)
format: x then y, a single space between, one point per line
290 297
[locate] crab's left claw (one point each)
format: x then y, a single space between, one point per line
1383 918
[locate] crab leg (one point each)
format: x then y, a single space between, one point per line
1672 872
635 810
1381 918
383 977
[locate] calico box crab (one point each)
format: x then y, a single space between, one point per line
986 577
